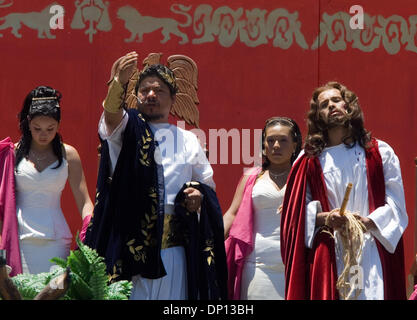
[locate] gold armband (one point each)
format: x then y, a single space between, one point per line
115 96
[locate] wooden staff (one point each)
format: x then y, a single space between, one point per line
345 199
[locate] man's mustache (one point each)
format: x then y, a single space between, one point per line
145 102
335 121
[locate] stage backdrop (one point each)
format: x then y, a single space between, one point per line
254 60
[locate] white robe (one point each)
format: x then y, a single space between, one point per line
183 160
342 165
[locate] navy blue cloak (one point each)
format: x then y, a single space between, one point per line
126 227
204 245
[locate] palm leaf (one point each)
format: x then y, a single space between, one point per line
88 278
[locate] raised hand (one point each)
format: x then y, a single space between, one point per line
126 67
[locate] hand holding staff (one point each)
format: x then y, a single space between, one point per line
336 219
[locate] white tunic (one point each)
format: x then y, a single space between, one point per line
183 160
43 230
342 165
263 276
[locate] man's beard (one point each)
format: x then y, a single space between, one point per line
149 117
338 121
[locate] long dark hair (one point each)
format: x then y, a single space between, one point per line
41 101
317 134
295 134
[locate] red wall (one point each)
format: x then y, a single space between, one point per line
241 82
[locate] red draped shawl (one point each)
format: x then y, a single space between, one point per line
9 232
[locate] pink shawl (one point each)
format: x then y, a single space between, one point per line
9 232
240 242
413 296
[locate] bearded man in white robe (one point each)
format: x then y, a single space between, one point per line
339 151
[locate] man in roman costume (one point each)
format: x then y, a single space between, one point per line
339 151
153 179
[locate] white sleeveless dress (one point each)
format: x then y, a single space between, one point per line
43 230
263 275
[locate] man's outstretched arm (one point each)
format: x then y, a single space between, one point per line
113 111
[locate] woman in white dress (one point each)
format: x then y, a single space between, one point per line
43 165
252 223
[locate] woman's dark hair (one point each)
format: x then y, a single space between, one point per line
295 134
41 101
317 133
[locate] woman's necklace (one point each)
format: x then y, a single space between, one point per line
278 175
37 157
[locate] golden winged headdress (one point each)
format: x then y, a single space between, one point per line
186 73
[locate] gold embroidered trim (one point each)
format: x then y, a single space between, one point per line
172 235
144 149
209 248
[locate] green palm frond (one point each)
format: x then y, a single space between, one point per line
89 279
119 290
59 262
79 289
29 285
